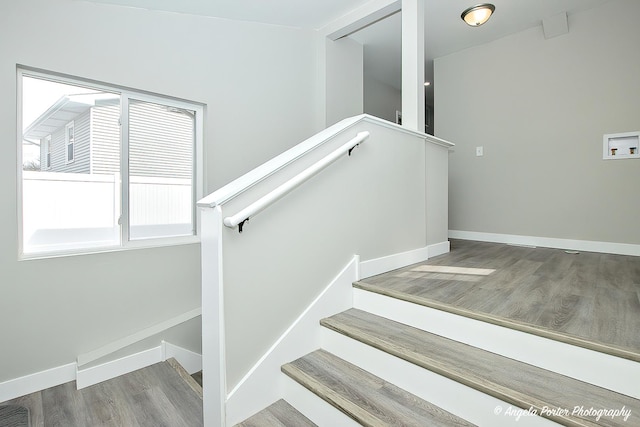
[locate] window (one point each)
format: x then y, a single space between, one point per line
46 150
120 168
69 142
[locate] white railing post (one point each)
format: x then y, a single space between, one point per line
213 337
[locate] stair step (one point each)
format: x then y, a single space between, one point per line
364 397
279 414
191 382
548 394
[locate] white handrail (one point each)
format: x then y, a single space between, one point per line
229 191
291 184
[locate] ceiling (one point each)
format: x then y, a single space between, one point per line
445 32
292 13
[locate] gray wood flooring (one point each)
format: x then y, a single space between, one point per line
279 414
193 381
151 397
364 397
517 383
587 299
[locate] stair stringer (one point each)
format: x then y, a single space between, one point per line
265 383
610 372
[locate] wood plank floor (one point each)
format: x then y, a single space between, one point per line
279 414
151 397
587 299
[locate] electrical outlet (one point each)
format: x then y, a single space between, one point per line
479 151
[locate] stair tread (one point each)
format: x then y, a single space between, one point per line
279 414
518 325
364 397
515 382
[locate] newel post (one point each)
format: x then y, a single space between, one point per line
213 338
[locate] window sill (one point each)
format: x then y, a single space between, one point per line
133 245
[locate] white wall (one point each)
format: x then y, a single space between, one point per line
539 108
257 83
380 99
371 203
344 79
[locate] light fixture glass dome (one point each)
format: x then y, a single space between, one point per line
478 15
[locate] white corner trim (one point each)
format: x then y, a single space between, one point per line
384 264
112 347
549 242
38 381
190 360
262 385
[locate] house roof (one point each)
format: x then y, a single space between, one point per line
62 112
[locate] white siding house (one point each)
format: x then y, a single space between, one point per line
105 138
161 138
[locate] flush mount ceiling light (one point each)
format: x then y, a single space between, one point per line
478 15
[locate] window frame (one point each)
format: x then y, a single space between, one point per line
125 94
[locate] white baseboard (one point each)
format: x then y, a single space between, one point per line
190 360
121 343
96 374
38 381
264 383
604 370
438 249
549 242
381 265
384 264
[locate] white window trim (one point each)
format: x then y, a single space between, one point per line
68 142
198 165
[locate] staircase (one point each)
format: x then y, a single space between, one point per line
385 358
376 371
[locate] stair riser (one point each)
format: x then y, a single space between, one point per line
460 400
601 369
313 407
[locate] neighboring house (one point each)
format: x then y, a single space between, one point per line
81 134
